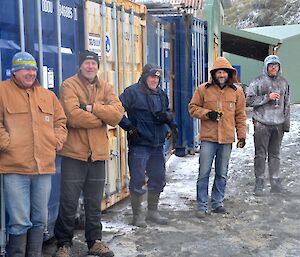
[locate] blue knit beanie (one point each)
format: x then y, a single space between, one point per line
23 61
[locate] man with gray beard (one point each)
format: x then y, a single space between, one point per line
268 94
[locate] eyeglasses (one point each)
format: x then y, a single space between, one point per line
274 64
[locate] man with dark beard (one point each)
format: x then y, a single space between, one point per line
268 94
220 105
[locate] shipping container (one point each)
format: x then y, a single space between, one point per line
190 70
116 31
50 31
160 51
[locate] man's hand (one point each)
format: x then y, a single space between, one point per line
241 143
174 130
86 107
133 134
214 115
274 95
164 117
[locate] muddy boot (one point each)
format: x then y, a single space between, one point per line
276 186
259 187
153 214
17 245
137 210
34 242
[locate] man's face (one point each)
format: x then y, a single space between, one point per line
25 77
273 69
221 76
152 81
89 69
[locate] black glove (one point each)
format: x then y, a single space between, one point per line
82 106
164 117
241 143
174 130
213 115
133 134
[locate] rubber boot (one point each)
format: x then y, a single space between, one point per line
34 242
153 214
259 187
137 210
17 245
276 186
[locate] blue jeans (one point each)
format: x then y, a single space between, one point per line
210 151
150 161
26 201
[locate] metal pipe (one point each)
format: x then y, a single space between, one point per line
158 44
114 18
122 20
103 16
59 55
21 23
162 57
40 41
2 212
85 27
1 65
131 22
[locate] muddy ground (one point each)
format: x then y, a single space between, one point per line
267 226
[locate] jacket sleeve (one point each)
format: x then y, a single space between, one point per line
240 115
125 99
4 135
60 128
196 109
287 109
76 117
110 111
253 98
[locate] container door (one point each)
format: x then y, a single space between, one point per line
9 35
199 65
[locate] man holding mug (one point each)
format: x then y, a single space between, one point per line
268 94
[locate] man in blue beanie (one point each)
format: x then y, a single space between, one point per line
268 94
147 124
32 129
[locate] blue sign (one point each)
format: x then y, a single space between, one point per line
107 44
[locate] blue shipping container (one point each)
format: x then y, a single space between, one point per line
191 69
160 51
54 40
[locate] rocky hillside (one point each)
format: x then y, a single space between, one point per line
258 13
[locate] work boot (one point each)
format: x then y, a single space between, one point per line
100 249
138 218
34 242
63 251
153 214
259 187
276 186
17 245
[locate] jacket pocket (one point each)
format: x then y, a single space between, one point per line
16 109
230 103
46 117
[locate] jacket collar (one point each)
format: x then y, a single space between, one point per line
85 82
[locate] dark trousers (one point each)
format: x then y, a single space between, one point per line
76 177
267 141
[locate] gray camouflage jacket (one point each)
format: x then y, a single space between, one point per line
264 109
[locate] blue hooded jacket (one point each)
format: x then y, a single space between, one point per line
142 104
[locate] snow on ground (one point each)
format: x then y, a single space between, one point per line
256 226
